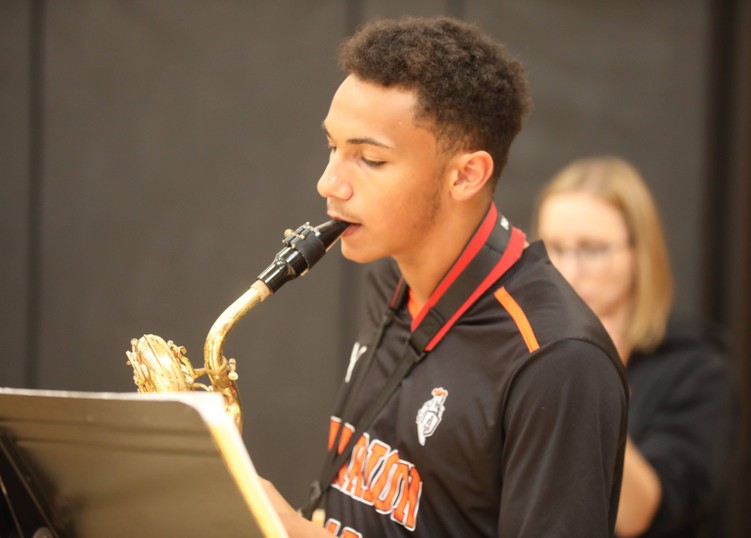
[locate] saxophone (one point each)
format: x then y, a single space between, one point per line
160 366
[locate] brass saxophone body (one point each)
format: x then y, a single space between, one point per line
160 366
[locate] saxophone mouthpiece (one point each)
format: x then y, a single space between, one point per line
303 248
330 231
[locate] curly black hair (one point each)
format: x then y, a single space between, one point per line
469 90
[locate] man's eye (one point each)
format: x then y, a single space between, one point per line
372 163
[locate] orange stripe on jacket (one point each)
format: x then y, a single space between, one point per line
519 317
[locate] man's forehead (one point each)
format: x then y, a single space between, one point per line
369 95
360 140
367 109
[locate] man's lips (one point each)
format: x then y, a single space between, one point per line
352 228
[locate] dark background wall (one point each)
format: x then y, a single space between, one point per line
153 152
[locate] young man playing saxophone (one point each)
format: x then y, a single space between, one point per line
510 420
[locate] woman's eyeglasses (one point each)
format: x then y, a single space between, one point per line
589 257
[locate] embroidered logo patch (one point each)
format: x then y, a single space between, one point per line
430 414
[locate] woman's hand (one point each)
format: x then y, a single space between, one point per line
641 493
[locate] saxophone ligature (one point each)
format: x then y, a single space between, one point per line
160 366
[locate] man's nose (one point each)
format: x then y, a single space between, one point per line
333 185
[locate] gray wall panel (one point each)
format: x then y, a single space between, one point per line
180 144
372 9
15 90
626 78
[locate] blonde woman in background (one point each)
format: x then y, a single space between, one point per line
602 232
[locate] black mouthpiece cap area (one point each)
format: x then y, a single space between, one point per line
330 231
303 248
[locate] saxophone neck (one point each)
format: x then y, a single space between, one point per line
223 325
220 371
302 249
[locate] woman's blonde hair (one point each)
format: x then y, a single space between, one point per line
618 183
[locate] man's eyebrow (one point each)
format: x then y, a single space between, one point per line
360 141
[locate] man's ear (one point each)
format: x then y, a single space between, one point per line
472 173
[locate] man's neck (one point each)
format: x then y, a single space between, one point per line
424 270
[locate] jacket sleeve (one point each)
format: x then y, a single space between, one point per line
565 432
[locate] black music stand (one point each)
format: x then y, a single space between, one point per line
77 464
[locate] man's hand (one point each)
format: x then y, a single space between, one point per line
295 525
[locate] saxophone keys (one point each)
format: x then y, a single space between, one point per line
232 370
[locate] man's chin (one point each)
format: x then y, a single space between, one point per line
357 255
